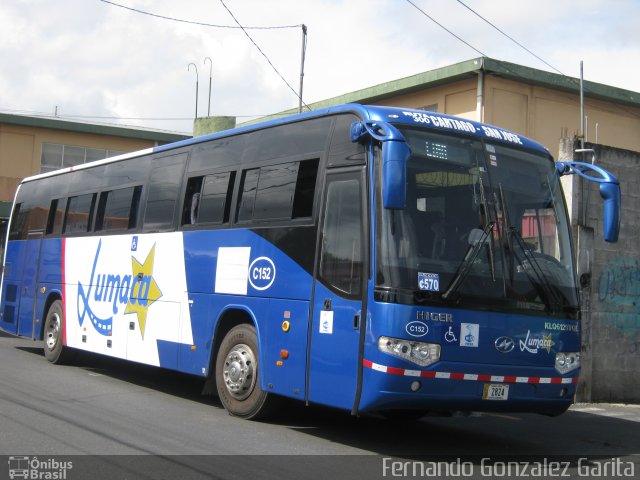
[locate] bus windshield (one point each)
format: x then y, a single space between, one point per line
484 227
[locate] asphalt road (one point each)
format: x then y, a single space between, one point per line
115 419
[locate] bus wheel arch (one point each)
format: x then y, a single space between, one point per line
237 367
230 318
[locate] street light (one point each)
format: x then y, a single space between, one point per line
189 69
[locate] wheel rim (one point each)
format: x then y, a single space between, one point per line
53 330
239 371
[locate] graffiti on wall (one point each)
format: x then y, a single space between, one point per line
619 294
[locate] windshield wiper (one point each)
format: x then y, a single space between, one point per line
485 206
467 262
544 288
542 284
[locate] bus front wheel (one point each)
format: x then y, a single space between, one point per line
54 350
237 374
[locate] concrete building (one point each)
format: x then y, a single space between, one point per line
541 105
30 145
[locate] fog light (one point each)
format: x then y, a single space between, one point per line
567 361
415 386
420 353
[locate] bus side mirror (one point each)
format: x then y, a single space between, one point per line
609 191
395 156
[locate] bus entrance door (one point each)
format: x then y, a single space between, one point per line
338 293
29 286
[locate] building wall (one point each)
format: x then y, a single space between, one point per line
545 114
21 148
610 279
457 98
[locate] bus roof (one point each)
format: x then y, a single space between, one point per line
395 115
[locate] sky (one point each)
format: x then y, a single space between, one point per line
93 61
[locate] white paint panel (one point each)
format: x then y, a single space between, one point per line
103 287
232 270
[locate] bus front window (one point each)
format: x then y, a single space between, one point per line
484 227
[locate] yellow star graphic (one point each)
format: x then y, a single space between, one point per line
144 289
547 343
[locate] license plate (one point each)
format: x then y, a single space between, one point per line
495 391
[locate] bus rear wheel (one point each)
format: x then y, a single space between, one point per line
237 375
54 350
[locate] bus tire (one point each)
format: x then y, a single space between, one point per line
54 350
237 375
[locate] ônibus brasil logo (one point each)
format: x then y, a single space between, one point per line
137 291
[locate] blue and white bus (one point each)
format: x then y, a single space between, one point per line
372 259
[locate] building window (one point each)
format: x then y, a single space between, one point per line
56 156
430 108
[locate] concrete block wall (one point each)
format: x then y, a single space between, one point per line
610 278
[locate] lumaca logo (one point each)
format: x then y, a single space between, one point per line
533 344
137 291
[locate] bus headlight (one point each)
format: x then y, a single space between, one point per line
420 353
567 362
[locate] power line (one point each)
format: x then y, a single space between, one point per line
146 118
173 19
263 54
444 28
36 113
509 37
238 26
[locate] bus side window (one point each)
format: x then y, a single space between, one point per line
247 199
274 195
56 215
342 150
17 222
341 257
278 192
118 209
191 201
208 199
215 201
305 189
164 190
79 214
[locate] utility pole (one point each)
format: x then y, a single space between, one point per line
304 49
210 76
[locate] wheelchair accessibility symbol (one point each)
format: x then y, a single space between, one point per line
450 336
